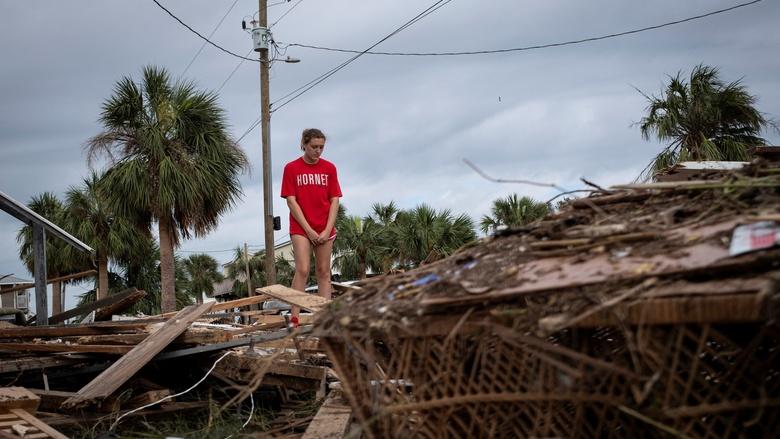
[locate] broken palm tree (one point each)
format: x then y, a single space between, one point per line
635 312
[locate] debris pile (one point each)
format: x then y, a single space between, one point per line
642 310
100 374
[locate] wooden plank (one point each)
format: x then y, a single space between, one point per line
121 371
51 400
309 302
125 298
39 362
222 306
147 397
105 312
62 347
40 425
21 287
79 329
18 398
190 336
331 421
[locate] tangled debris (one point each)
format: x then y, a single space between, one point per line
626 312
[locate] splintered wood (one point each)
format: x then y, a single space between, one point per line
309 302
122 370
18 423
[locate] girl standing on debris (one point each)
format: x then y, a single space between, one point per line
311 187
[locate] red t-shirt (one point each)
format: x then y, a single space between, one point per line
312 186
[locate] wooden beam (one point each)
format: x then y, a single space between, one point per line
222 306
38 362
66 330
18 398
62 347
112 378
52 280
114 302
309 302
51 399
38 424
39 262
331 421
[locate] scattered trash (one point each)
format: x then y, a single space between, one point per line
425 280
752 237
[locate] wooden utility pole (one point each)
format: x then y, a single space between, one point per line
39 255
265 133
250 290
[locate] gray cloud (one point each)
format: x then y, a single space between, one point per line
398 126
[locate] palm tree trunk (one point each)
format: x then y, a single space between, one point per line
102 277
361 269
167 273
56 297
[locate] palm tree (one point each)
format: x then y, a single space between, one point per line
385 216
422 234
57 263
360 246
201 271
172 161
236 270
703 119
513 211
91 219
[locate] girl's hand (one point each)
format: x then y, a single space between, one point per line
323 237
313 237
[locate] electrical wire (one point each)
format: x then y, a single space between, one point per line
251 412
233 72
525 48
201 36
210 35
295 94
285 14
116 422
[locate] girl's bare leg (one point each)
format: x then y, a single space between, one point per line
302 252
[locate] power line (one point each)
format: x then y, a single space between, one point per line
233 72
210 35
201 36
525 48
285 14
316 81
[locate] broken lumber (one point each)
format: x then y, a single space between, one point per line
62 347
32 427
18 398
51 399
25 286
82 329
238 303
121 371
113 303
331 421
309 302
40 362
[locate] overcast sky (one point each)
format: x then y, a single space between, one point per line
398 127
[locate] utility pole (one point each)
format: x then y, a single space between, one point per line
250 290
265 134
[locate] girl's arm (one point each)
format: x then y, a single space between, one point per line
297 213
332 214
